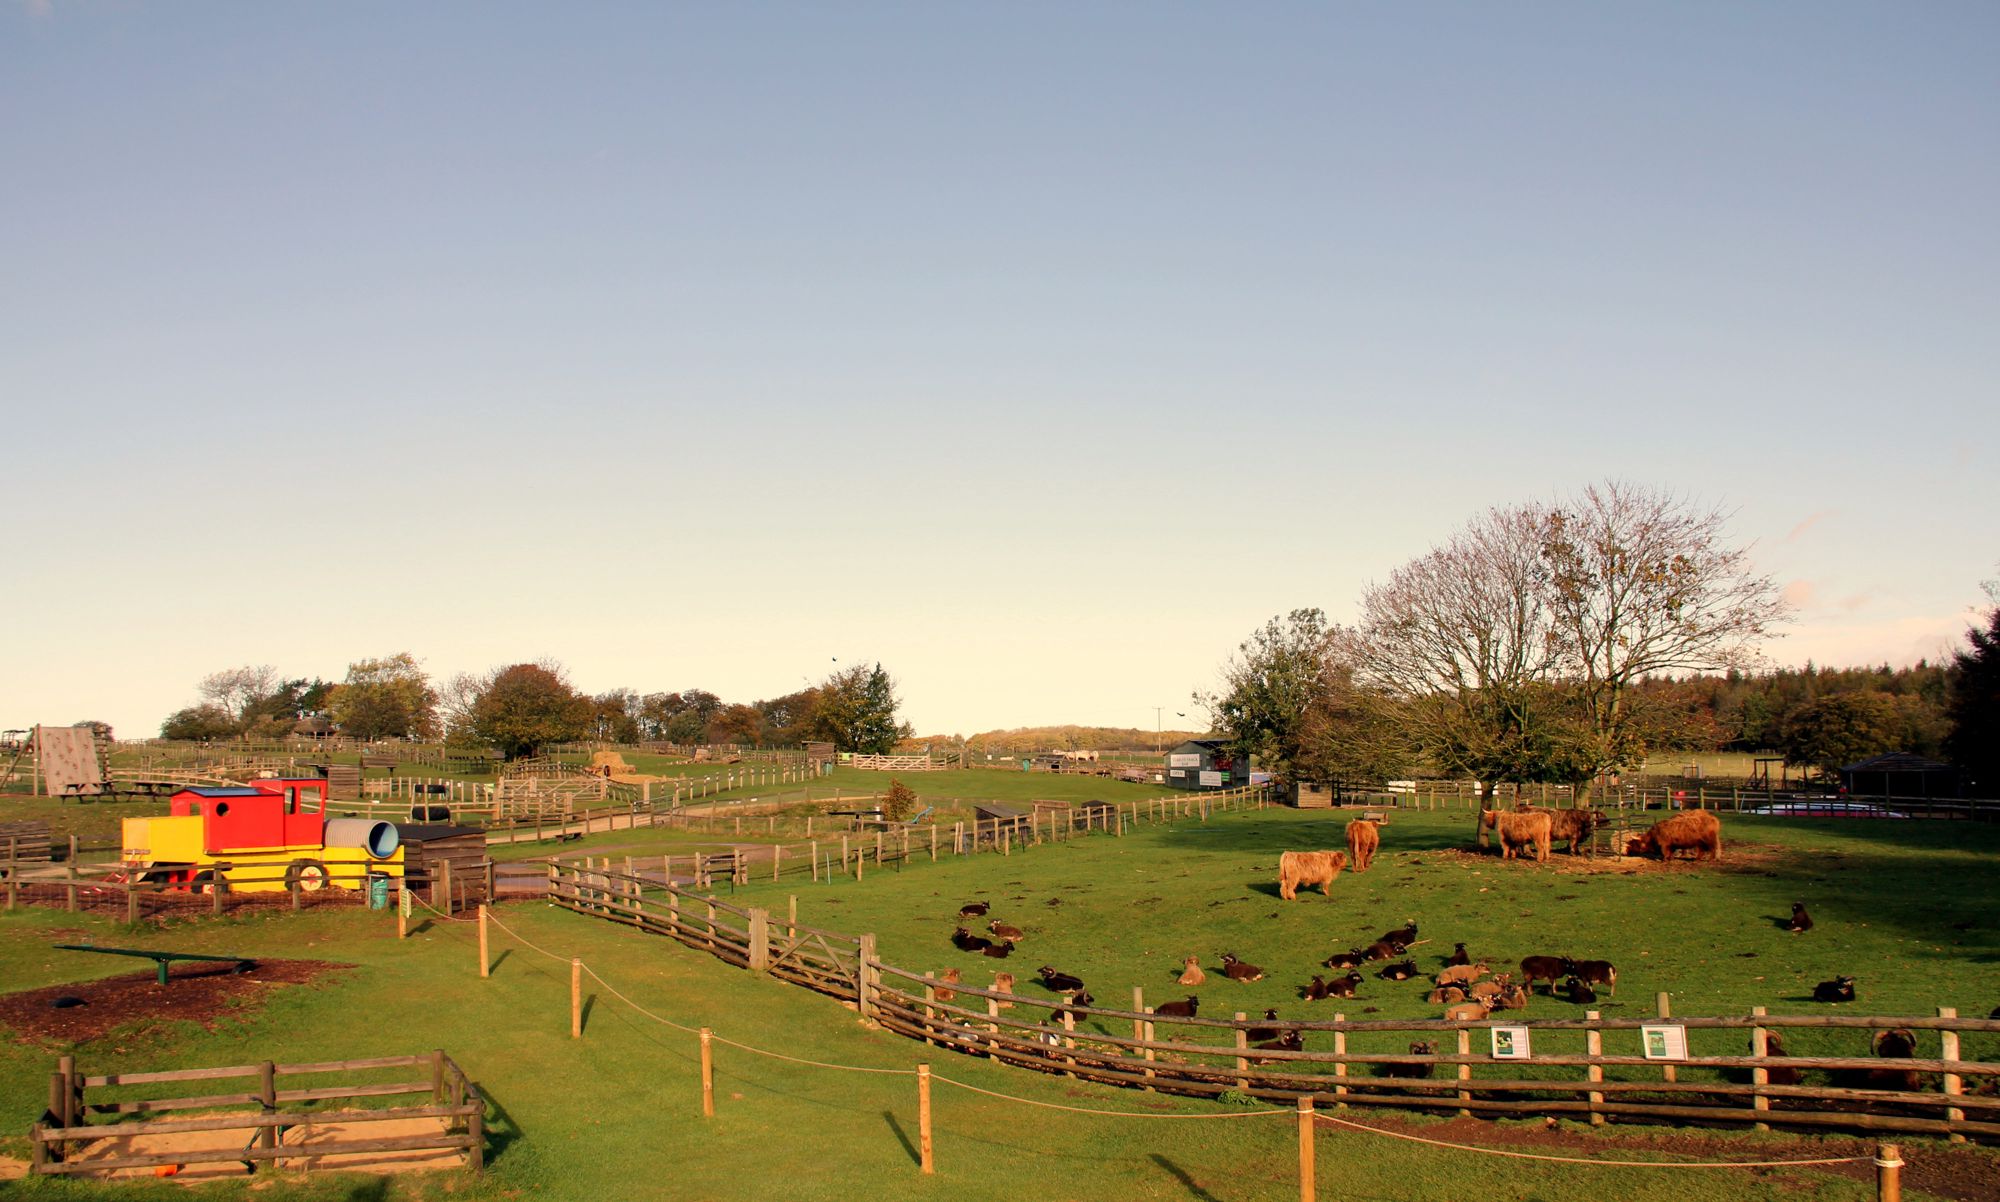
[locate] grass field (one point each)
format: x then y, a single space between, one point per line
617 1115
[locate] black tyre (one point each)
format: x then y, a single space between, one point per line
306 875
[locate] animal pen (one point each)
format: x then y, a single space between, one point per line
258 1123
1594 1068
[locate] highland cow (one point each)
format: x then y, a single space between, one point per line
1363 838
1696 831
1518 830
1308 868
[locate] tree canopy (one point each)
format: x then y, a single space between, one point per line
387 698
1974 708
856 710
528 706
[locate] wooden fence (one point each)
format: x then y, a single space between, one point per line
64 1137
1691 794
1593 1068
103 889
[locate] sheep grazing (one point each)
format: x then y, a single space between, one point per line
1543 968
1403 936
1010 934
1469 1012
1578 992
1191 973
1178 1009
1458 956
1059 982
1446 995
1353 959
1801 921
1401 970
943 994
1592 972
1413 1070
1308 868
1239 970
999 951
1840 989
1462 974
974 909
1256 1033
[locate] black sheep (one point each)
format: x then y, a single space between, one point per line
1178 1009
1344 986
1402 937
1060 982
1418 1071
1401 970
1351 959
1840 989
1240 970
1578 992
1458 956
1315 989
1256 1033
1801 921
974 909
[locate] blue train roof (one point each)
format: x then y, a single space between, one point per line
225 791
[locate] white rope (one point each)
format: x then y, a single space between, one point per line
1116 1114
1624 1164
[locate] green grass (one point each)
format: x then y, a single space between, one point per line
1122 912
617 1114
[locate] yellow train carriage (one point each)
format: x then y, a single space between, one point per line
267 837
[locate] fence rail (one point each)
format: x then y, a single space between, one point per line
64 1137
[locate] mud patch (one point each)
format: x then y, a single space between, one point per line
199 993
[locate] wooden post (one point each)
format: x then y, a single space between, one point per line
1069 1038
444 883
1888 1173
402 904
777 861
707 1074
792 917
864 984
575 999
484 960
924 1155
933 842
267 1096
815 852
1593 1046
1148 1038
1308 1171
131 903
1464 1070
1340 1066
1667 1011
1760 1046
68 1112
760 940
1954 1085
992 1028
1242 1052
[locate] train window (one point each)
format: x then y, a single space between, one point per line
221 808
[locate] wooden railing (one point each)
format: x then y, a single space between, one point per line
1592 1068
104 888
62 1140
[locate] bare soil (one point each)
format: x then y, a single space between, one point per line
198 992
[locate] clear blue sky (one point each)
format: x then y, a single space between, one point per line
1038 351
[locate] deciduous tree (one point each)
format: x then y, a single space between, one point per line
1974 706
856 711
528 706
384 699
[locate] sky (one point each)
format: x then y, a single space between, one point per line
1039 352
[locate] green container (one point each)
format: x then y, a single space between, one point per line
378 891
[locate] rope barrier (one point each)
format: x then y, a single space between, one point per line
1626 1164
1116 1114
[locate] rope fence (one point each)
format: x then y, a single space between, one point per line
1887 1157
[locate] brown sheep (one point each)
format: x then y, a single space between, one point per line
1003 982
1469 1012
1462 974
1544 968
1363 839
1593 972
1417 1071
1446 995
1697 831
1518 830
1010 934
1191 973
1309 868
950 977
1774 1045
1240 970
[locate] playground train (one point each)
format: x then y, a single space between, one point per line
270 836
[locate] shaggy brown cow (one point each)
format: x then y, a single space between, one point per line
1308 868
1363 838
1696 831
1573 826
1517 830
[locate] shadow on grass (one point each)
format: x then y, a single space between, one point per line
500 959
501 1129
902 1137
1188 1183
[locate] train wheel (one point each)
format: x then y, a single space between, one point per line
308 875
208 881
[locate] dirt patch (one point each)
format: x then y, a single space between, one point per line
195 992
325 1131
1968 1174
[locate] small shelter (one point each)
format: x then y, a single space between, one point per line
1313 794
1900 774
443 852
990 818
1205 764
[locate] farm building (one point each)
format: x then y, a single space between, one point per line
1312 795
1900 774
991 818
454 853
1205 764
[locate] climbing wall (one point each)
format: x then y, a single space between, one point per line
69 757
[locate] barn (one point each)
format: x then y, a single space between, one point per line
1205 764
1899 774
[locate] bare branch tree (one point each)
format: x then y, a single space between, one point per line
236 689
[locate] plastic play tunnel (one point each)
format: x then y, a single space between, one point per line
378 838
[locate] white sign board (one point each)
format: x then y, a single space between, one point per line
1177 773
1665 1042
1510 1043
1181 759
1211 780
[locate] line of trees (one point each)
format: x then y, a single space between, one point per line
518 708
1554 642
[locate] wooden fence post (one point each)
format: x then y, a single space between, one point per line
1954 1085
924 1155
707 1074
792 917
484 959
267 1097
864 985
1888 1173
1464 1070
576 999
1340 1066
1593 1046
1666 1010
1242 1052
1760 1046
1308 1169
760 940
